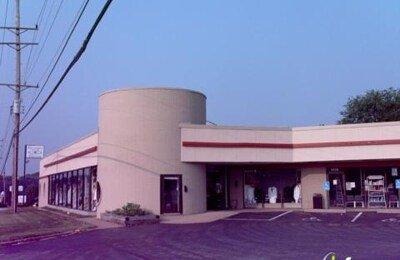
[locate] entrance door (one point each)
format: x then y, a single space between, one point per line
171 194
336 192
217 190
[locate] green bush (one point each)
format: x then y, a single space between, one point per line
131 209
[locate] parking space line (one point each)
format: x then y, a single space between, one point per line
356 217
280 215
246 219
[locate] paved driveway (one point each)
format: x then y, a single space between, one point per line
294 235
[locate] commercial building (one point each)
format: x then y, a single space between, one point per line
153 147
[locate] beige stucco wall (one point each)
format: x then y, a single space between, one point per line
208 133
312 180
86 160
297 135
345 133
139 139
71 149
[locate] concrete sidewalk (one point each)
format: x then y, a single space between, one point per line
206 217
211 216
98 223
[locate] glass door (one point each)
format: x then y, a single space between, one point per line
336 191
171 194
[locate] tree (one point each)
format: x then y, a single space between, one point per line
372 106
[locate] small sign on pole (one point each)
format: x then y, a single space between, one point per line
34 151
397 183
326 186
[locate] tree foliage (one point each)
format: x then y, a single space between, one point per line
372 106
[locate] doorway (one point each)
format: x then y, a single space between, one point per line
336 191
217 187
171 194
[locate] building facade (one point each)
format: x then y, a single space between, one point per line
154 148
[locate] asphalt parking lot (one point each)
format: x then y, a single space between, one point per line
271 235
354 219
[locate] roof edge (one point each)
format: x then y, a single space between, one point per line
294 129
264 128
70 144
152 88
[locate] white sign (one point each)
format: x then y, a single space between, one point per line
21 199
20 188
34 151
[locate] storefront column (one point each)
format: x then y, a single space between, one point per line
312 180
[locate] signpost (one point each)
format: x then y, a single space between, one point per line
32 152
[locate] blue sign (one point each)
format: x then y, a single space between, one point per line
397 183
327 186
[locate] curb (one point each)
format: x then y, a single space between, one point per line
43 237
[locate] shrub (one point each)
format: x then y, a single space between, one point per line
130 209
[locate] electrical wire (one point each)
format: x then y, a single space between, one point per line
8 153
66 36
41 33
70 66
38 22
73 62
4 32
29 73
65 43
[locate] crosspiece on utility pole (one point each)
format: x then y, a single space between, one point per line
21 29
13 86
19 46
21 85
17 30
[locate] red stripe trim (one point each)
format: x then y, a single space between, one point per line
323 164
289 146
73 156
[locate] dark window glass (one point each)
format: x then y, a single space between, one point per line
72 189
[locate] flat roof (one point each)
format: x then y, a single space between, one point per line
153 88
301 128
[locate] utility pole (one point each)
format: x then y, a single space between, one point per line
18 88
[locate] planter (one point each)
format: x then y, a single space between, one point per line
129 221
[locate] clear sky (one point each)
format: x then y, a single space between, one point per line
264 63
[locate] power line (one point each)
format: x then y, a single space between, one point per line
4 33
44 42
73 62
38 21
71 27
4 140
6 158
6 129
4 167
8 152
41 33
65 41
17 30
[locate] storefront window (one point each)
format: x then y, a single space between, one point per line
73 189
364 187
263 187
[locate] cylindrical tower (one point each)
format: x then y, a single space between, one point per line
140 145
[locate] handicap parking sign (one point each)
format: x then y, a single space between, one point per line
397 183
327 186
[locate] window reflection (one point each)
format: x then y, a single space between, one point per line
73 189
